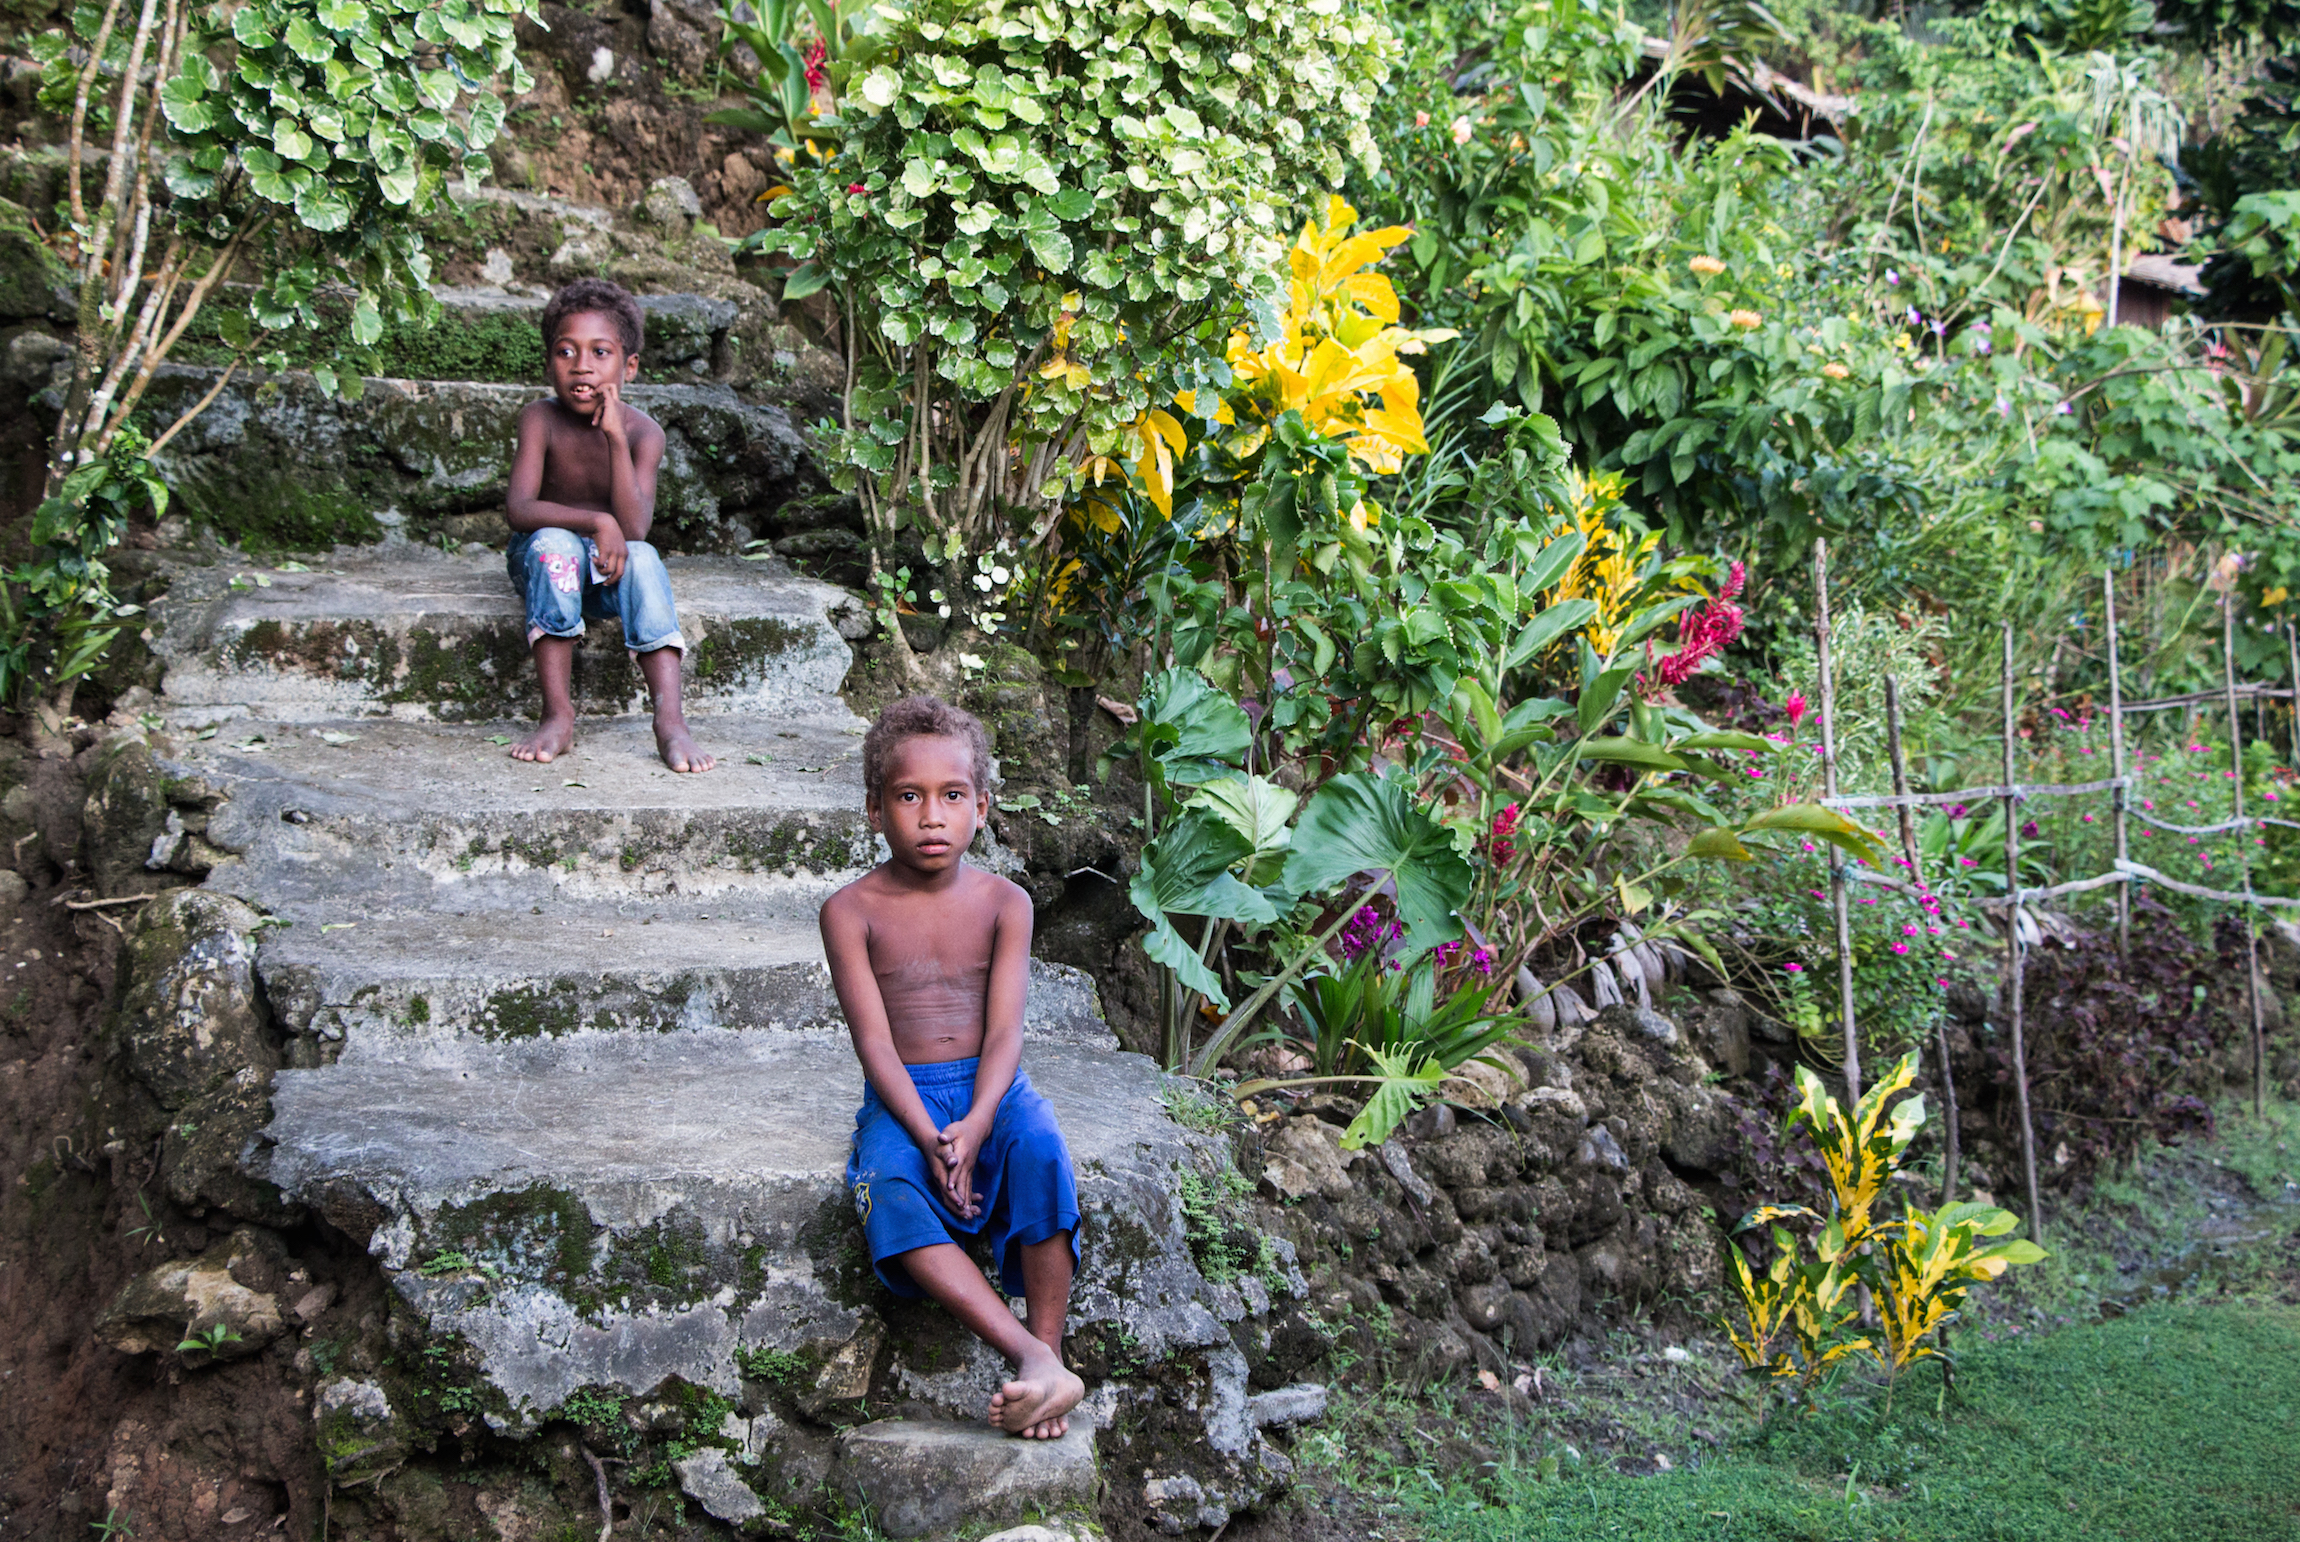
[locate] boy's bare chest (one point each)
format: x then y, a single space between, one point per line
944 952
575 467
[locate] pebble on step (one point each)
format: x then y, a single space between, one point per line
922 1478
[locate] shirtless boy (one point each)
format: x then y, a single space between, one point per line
931 959
581 503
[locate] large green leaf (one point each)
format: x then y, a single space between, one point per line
1547 628
1825 823
1401 1089
1186 871
1257 808
1357 824
1192 732
1628 752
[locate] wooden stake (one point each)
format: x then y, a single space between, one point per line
2013 965
1836 857
2122 799
1951 1139
2245 838
1900 775
2292 679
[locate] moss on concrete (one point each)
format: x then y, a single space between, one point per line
529 1012
538 1234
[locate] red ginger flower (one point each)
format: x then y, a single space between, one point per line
1706 631
817 76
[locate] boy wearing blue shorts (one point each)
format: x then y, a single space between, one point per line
931 961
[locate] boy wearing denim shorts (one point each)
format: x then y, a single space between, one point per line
582 500
931 961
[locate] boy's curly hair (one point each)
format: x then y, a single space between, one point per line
604 296
925 717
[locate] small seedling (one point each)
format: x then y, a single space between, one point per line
114 1524
211 1340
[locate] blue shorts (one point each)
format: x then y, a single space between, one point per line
1023 1175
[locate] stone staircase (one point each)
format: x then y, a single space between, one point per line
560 1049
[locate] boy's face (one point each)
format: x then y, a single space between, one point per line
929 807
587 354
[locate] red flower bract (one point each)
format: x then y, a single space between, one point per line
817 76
1705 631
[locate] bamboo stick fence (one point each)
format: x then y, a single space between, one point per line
2010 794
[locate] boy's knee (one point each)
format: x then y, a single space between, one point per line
643 555
554 542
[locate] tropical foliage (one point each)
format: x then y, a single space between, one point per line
1801 1313
1031 213
279 145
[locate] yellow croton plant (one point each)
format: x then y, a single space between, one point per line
1338 359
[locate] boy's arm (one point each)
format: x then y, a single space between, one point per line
634 456
1009 986
846 944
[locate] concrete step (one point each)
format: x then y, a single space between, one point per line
613 1210
413 632
420 988
333 821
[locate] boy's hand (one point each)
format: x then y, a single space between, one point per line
614 551
607 417
958 1145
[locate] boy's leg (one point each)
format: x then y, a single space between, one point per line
1046 1270
651 629
547 568
1044 1390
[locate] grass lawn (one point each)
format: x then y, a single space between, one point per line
2176 1423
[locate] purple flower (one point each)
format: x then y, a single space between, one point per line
1482 962
1892 279
1915 316
1982 327
2029 829
1957 811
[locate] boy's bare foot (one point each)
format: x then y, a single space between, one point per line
552 738
679 750
1036 1404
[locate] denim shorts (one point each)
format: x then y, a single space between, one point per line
1022 1175
552 570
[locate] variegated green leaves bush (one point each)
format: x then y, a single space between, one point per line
1033 204
288 145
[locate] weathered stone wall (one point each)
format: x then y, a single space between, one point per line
1534 1210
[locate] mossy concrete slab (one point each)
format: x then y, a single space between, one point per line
411 631
614 1210
414 987
276 463
332 822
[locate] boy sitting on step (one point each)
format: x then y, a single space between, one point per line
931 960
582 500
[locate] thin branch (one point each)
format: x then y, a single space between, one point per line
88 76
194 410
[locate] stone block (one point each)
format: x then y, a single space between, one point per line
227 1297
920 1478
